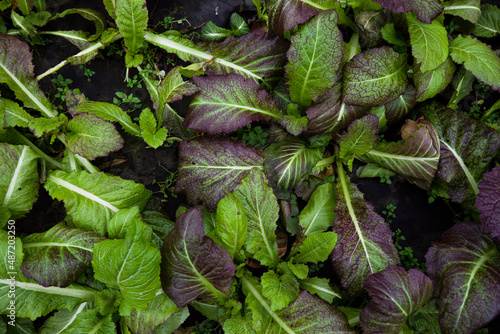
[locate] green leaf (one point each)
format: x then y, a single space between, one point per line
298 269
132 21
489 23
429 42
92 137
281 290
147 123
58 256
89 14
42 125
320 287
239 25
91 321
319 213
316 248
25 6
110 6
373 170
231 224
350 49
374 78
109 112
314 58
237 324
432 82
425 319
92 199
128 222
27 30
18 179
462 84
392 36
360 137
478 58
466 9
262 211
211 32
293 124
63 319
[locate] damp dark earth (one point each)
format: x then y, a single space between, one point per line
277 166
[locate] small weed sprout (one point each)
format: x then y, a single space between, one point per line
389 213
123 98
87 71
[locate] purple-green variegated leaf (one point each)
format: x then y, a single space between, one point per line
193 265
415 158
426 10
396 293
374 78
488 203
360 137
364 245
287 14
432 82
228 102
210 165
465 266
92 137
314 58
467 149
401 106
57 257
330 114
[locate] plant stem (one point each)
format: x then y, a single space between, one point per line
38 151
488 112
325 162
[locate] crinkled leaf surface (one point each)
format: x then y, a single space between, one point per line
374 77
316 248
92 137
132 21
16 70
209 165
426 10
463 157
359 138
42 125
488 24
429 42
396 293
432 82
32 299
91 321
92 199
57 257
253 55
488 202
193 265
319 212
280 290
228 102
62 319
262 212
401 106
18 179
14 114
466 268
364 244
314 58
128 222
287 14
466 9
416 158
173 88
478 58
289 161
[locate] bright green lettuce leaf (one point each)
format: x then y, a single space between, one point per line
489 22
374 77
397 109
392 36
16 70
350 49
27 30
289 161
25 6
239 25
149 132
109 112
126 222
107 301
478 58
18 179
42 125
298 269
131 265
132 21
415 158
462 84
212 32
32 299
432 82
359 138
92 199
228 102
62 319
320 287
208 165
238 324
293 124
91 321
231 224
429 42
466 9
193 265
92 137
262 212
316 248
93 15
58 256
319 213
279 289
314 58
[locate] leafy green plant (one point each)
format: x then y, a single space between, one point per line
87 72
122 98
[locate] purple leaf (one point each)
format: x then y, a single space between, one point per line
193 265
364 244
396 293
426 10
287 14
228 102
210 165
466 269
488 203
401 106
